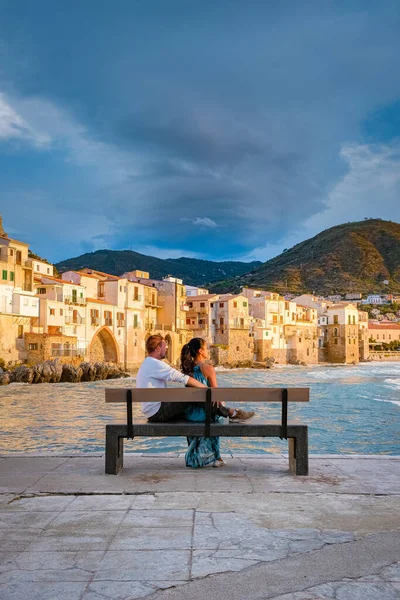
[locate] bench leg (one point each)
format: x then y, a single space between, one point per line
298 453
114 452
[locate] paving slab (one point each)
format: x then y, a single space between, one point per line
159 530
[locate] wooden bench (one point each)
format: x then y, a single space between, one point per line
296 434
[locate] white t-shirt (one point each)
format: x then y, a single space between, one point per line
154 373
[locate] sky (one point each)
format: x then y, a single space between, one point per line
223 129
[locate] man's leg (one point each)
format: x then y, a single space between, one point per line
168 411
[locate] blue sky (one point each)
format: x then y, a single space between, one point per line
217 129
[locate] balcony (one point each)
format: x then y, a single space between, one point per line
184 307
95 321
137 298
75 301
108 322
120 323
158 327
239 326
68 352
74 320
27 287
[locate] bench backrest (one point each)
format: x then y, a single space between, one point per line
200 394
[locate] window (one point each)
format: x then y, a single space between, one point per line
221 305
61 312
221 321
4 277
237 348
202 304
187 321
235 305
299 340
354 319
335 319
107 317
286 305
281 319
336 341
48 270
135 321
136 293
212 304
153 299
52 311
274 319
245 304
41 290
20 331
335 332
120 319
11 275
120 288
11 252
26 301
32 346
349 319
18 258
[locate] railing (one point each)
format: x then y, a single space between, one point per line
239 326
59 298
95 321
77 320
73 300
68 352
27 263
137 298
121 323
108 322
27 287
159 327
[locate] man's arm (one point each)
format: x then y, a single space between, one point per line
192 382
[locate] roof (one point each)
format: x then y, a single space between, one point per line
57 280
83 274
342 305
99 273
385 325
200 297
96 301
227 297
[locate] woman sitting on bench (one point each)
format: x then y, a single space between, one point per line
204 451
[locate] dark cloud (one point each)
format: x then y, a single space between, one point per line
228 111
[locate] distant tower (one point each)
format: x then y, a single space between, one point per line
2 232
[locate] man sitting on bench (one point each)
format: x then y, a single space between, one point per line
154 373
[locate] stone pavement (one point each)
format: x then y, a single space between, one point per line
158 530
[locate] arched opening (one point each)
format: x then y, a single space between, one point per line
103 347
169 351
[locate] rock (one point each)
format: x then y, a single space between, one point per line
101 370
88 371
71 374
5 378
258 365
49 371
23 374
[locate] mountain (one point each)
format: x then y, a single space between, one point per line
192 270
354 257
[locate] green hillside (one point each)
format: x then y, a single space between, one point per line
192 270
354 257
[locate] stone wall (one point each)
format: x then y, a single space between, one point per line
44 352
342 344
240 346
12 348
262 349
219 355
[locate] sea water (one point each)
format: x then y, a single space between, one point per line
353 410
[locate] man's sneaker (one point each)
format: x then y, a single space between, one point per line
241 415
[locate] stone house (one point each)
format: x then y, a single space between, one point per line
19 309
342 339
383 332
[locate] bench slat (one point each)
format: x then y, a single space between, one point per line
229 395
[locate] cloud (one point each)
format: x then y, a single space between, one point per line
14 127
203 222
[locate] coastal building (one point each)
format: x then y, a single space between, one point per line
341 333
192 290
171 310
383 332
19 309
283 330
363 335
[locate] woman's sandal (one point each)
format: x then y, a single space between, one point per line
219 463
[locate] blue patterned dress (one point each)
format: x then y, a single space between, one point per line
202 451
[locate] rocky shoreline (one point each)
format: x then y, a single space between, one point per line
53 371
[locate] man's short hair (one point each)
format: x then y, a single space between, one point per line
153 341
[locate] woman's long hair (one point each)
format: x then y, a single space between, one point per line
189 353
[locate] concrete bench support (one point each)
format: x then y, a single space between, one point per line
297 439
